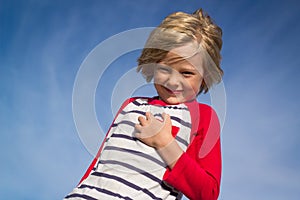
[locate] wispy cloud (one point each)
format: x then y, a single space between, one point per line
47 43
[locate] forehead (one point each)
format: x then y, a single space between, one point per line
187 56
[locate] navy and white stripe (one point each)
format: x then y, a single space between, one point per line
129 169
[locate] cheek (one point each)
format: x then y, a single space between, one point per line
195 85
159 81
159 89
159 78
198 85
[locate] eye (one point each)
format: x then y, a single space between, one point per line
187 73
163 69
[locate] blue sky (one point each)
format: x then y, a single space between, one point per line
44 43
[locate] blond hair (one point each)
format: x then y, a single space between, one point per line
178 29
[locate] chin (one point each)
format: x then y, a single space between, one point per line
176 100
173 100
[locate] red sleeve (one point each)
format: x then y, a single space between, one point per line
197 173
94 162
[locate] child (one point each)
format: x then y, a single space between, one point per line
154 148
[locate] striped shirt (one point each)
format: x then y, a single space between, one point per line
128 168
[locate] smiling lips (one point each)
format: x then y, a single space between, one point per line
173 92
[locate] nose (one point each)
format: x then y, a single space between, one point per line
173 80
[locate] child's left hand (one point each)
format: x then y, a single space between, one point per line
153 132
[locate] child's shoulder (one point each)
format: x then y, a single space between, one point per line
199 106
205 107
207 110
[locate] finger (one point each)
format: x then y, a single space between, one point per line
138 127
149 116
142 120
166 118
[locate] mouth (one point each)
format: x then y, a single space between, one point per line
173 92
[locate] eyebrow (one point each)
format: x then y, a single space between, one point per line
183 68
189 69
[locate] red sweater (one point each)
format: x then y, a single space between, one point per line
197 173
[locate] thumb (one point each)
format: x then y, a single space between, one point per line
166 118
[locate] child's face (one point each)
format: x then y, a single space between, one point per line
177 80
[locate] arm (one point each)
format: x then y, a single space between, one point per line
200 178
196 172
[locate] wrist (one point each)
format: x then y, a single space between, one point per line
170 153
164 141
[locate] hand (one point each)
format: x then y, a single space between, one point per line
153 132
